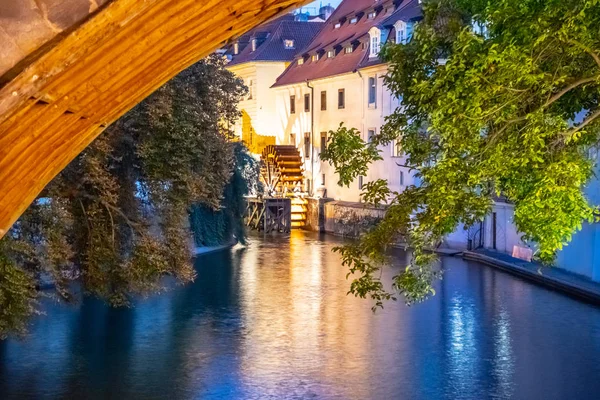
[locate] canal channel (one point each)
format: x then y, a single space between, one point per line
273 321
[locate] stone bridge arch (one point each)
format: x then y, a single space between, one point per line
69 68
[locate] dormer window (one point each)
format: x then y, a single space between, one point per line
236 48
403 32
353 20
315 57
375 42
289 44
337 25
348 49
330 54
253 44
371 15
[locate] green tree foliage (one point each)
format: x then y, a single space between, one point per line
488 108
214 227
117 217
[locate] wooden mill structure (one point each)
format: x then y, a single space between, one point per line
269 214
69 68
282 175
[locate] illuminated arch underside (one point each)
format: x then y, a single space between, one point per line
65 92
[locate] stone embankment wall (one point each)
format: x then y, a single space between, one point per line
341 218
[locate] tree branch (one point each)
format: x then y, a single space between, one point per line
588 121
87 220
548 103
593 54
569 88
112 223
133 225
406 166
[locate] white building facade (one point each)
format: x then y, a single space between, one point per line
339 79
258 58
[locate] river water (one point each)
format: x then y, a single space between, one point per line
273 321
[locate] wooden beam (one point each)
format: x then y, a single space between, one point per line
78 83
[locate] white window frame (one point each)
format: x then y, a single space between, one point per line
371 132
348 49
315 57
300 61
353 20
330 53
404 31
236 48
374 41
396 148
337 25
289 44
401 31
253 44
372 104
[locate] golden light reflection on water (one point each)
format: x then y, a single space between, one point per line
302 315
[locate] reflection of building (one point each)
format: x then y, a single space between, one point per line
259 57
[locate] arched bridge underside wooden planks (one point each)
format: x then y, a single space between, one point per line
56 100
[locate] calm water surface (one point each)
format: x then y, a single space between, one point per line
273 322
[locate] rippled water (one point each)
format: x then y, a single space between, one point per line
273 322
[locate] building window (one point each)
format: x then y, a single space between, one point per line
330 53
372 91
288 44
253 44
370 135
353 20
371 15
307 102
293 139
360 182
403 32
322 179
323 100
323 141
292 104
396 148
315 57
349 49
341 98
300 61
250 86
401 178
307 145
236 48
337 25
375 38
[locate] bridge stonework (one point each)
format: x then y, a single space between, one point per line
69 68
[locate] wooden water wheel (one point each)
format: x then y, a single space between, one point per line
282 175
281 171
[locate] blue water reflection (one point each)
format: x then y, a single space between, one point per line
273 322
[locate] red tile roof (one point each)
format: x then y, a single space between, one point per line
357 35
